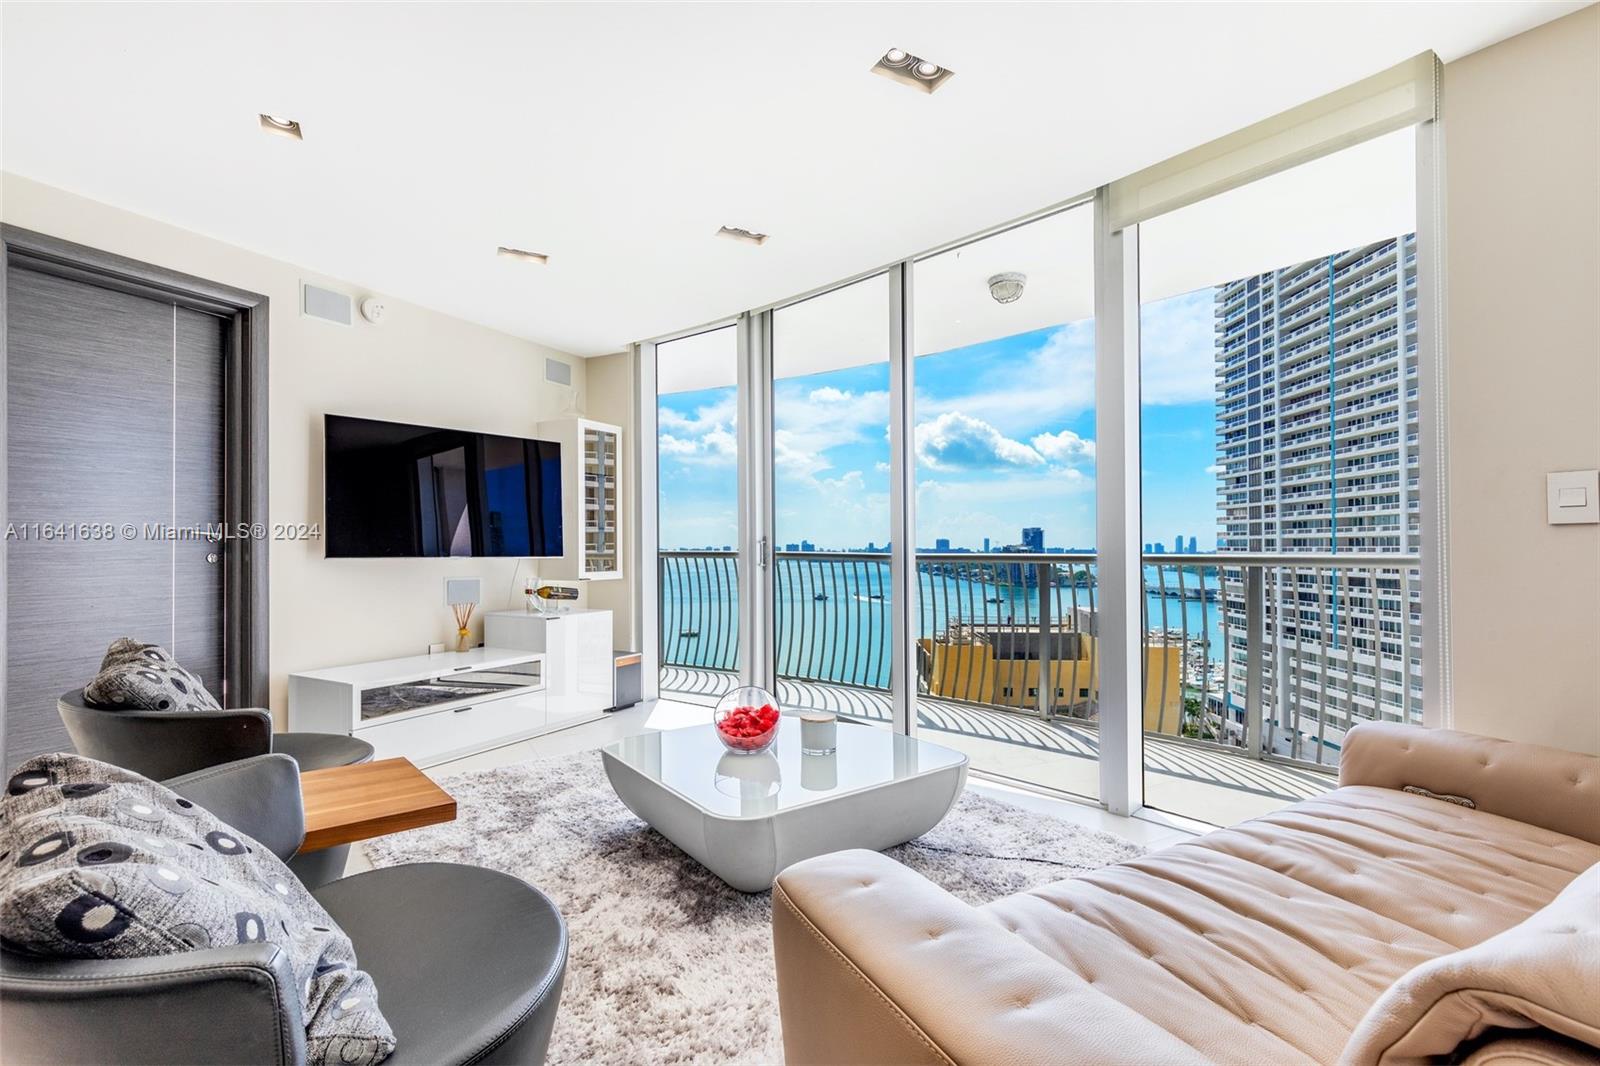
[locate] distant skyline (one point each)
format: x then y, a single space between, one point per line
1004 439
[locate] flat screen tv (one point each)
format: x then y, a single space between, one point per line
398 490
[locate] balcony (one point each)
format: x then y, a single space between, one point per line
1007 670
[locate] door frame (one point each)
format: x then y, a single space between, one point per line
245 591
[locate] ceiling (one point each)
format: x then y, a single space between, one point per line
617 138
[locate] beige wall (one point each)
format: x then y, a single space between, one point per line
1522 333
418 366
611 399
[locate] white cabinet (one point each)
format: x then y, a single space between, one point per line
432 708
591 499
576 646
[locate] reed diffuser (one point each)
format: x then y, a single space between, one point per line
463 613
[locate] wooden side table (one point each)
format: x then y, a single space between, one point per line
344 804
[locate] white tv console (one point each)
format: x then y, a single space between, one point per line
432 708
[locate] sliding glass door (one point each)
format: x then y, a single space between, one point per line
1281 487
831 597
1005 479
697 507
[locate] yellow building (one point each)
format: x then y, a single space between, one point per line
999 665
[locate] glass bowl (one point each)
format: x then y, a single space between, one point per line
747 720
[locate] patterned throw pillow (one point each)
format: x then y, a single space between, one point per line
97 862
135 676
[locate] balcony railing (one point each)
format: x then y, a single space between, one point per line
1251 653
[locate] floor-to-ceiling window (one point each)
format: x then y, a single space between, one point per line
1004 446
948 469
831 601
697 472
1281 506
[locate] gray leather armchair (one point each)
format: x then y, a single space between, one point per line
468 963
163 744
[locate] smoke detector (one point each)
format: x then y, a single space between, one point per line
1007 288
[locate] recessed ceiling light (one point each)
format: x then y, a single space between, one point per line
283 127
734 233
519 254
911 70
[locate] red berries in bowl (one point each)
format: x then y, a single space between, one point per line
747 720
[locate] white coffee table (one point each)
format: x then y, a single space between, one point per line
747 817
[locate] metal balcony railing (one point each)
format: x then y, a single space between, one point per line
1239 648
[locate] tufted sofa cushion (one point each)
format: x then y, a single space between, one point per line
1268 942
1543 973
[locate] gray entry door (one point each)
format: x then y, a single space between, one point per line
114 422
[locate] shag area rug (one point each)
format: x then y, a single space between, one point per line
667 964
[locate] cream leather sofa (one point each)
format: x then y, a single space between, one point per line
1356 927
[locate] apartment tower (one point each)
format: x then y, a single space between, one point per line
1317 453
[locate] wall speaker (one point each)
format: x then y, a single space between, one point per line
330 306
557 373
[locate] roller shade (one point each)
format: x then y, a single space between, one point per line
1401 96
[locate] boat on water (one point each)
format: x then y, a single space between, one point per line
820 597
688 634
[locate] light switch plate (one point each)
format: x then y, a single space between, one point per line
1572 497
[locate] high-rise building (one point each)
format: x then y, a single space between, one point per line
985 543
1193 545
1033 539
941 544
1309 464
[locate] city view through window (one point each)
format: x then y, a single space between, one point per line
1239 452
1278 437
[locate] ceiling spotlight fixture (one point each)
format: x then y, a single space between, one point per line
1007 288
911 70
522 256
283 127
734 233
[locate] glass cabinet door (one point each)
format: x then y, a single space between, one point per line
600 454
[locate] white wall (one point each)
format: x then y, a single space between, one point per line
1522 240
418 366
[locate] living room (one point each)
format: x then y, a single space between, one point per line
571 532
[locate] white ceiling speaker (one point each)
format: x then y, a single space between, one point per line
373 309
1007 288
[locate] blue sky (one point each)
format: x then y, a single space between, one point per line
1005 436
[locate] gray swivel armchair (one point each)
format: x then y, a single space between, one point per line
468 963
163 744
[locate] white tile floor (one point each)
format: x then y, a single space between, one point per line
1152 829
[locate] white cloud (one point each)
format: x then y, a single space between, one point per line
1064 447
1213 469
706 437
1053 383
956 441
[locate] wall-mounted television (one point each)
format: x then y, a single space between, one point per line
403 491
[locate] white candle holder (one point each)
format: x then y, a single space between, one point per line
819 732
